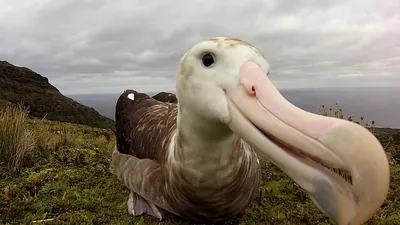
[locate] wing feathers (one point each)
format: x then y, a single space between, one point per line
144 125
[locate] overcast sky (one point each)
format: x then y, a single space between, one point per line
106 46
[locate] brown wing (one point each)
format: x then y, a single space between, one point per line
144 125
166 97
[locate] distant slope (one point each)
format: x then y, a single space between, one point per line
20 84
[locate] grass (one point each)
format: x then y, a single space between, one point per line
16 140
67 179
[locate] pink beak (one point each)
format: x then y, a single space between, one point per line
296 140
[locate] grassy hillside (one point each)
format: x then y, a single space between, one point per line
20 84
67 179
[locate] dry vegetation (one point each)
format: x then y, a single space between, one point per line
16 140
60 173
338 112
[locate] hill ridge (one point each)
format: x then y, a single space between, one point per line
23 85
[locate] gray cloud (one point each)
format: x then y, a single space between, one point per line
100 46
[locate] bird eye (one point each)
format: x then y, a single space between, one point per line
207 60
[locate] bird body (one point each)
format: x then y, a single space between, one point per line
197 158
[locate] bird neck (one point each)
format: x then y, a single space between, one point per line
202 138
202 148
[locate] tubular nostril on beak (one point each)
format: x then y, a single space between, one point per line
247 73
253 91
248 87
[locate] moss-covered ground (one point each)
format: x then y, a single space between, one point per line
68 179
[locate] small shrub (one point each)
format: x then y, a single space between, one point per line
396 153
10 192
338 112
16 139
47 140
395 139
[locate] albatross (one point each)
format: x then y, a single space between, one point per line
198 158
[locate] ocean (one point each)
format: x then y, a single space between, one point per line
380 104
